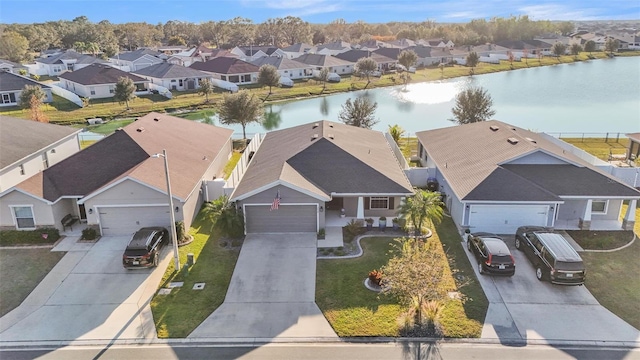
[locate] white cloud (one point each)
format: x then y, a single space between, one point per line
558 12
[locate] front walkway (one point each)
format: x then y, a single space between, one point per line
272 292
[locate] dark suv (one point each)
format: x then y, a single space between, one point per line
552 256
144 248
492 254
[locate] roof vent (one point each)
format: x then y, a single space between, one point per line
331 136
314 136
494 128
156 119
512 141
315 125
533 141
141 129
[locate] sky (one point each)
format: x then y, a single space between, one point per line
314 11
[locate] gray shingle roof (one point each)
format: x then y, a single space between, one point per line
355 55
170 71
135 55
468 156
298 47
191 147
14 82
96 74
225 65
70 55
322 60
20 138
342 159
280 63
389 52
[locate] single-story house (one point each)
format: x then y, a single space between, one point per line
333 48
384 63
66 61
389 52
136 60
118 184
172 49
229 69
633 152
28 147
313 171
11 86
12 67
99 81
297 49
319 62
199 54
496 177
173 77
286 67
249 53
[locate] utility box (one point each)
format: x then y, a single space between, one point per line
190 259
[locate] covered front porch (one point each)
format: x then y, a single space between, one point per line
343 209
595 214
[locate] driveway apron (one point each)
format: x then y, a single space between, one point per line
88 295
272 292
523 308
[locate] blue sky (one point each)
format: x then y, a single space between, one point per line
314 11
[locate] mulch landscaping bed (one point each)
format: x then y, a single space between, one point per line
601 240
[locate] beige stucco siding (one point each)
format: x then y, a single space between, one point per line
190 208
42 212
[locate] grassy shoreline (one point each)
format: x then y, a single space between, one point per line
62 112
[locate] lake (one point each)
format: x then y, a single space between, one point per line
596 97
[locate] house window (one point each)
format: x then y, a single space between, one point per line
93 91
599 206
21 167
112 90
8 98
24 217
246 78
379 203
45 161
180 83
234 78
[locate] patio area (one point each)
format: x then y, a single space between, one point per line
595 225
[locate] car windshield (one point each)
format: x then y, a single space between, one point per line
569 265
135 252
501 259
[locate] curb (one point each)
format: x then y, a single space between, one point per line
616 249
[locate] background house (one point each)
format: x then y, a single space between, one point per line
99 81
496 177
173 77
319 62
69 60
11 86
28 147
118 186
136 60
228 69
286 67
12 67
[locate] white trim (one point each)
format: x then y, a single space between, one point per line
489 202
15 220
378 198
97 209
244 212
586 197
113 184
26 193
276 183
372 194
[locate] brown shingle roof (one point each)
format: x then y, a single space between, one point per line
225 65
97 74
20 138
341 159
191 147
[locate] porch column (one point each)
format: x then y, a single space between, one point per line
585 220
360 210
630 216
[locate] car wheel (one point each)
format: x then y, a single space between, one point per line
155 260
480 268
539 273
517 243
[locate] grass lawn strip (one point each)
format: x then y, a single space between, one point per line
176 315
613 279
352 310
601 147
21 271
601 240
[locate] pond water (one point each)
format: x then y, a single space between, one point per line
593 97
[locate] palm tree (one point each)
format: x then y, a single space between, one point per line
420 207
396 133
224 216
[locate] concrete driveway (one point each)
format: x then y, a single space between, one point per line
88 295
272 292
523 308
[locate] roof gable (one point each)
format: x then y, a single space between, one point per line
14 82
225 65
97 74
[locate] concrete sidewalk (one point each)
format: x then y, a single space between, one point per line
272 292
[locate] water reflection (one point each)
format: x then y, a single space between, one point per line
429 93
272 119
324 106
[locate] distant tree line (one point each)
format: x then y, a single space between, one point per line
105 38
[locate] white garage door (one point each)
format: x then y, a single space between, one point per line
505 219
127 220
288 218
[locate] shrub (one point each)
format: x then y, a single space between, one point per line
89 234
180 230
375 277
353 229
321 234
339 253
369 221
32 237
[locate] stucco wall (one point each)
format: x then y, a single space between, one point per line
190 208
613 211
42 213
61 209
538 158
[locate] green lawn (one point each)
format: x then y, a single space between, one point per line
352 310
179 313
600 240
600 147
231 164
613 278
20 272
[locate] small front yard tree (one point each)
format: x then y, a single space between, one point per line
323 76
472 105
424 205
206 88
407 58
359 113
32 97
472 61
417 276
590 46
268 76
559 49
124 91
366 66
241 108
611 45
576 49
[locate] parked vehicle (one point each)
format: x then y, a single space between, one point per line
552 256
492 254
144 247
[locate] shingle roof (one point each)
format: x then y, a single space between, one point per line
70 55
169 71
469 157
135 55
298 47
20 138
421 50
14 82
634 136
251 50
191 147
341 159
355 55
280 63
225 65
96 74
389 52
11 63
336 45
322 60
